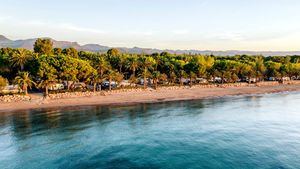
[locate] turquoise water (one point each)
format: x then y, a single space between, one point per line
261 131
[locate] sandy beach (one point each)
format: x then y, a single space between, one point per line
144 96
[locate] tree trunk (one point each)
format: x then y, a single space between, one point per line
26 90
46 91
181 83
191 83
222 78
95 85
155 82
72 85
68 86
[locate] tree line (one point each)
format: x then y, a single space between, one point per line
46 65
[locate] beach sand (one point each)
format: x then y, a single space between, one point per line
144 96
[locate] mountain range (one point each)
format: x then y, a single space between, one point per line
28 44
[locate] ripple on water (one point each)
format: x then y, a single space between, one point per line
255 131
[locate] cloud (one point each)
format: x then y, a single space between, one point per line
81 29
52 25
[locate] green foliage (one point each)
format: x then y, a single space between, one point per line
4 63
57 51
112 75
70 52
20 57
273 69
43 46
113 52
132 64
47 66
47 74
24 81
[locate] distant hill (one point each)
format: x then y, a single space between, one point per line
28 44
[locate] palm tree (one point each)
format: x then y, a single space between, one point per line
133 64
121 62
119 77
114 75
158 61
192 76
259 68
146 63
164 78
172 77
155 76
145 74
182 74
132 80
110 75
20 57
94 78
44 84
221 67
24 81
248 71
103 66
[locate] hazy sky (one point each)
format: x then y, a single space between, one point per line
172 24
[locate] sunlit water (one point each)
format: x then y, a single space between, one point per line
261 131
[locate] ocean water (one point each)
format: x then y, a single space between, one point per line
259 131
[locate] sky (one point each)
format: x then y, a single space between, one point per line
257 25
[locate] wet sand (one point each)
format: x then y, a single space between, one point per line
144 96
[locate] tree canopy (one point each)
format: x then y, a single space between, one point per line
43 46
46 65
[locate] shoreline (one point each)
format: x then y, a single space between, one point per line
123 98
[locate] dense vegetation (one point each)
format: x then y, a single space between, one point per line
47 65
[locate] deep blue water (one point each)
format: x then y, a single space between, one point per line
261 131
